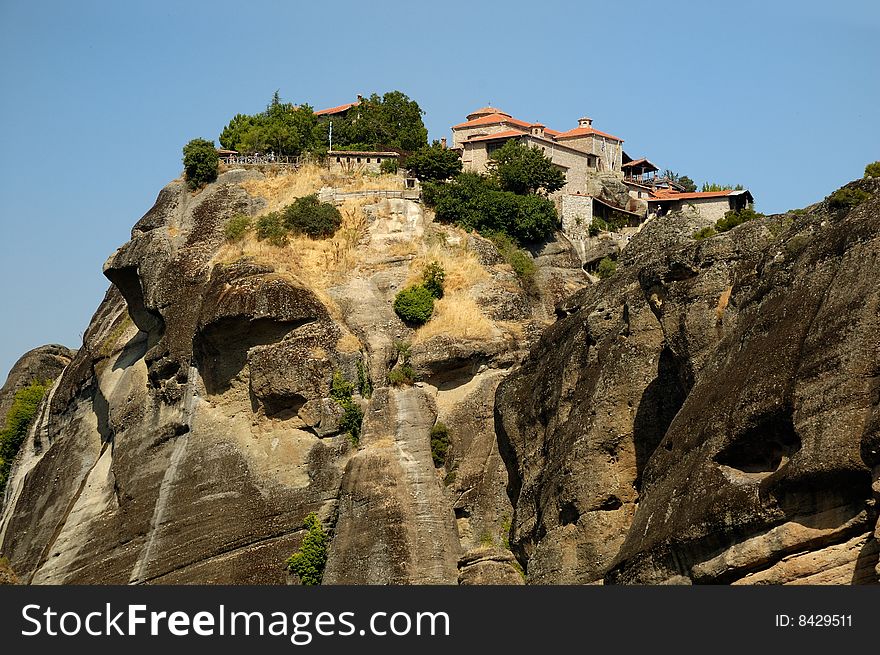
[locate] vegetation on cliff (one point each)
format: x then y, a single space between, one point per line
200 163
18 419
433 163
309 561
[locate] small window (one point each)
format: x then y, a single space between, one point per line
348 159
339 160
358 160
368 160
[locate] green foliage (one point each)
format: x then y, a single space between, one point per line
683 180
310 216
341 390
309 561
236 227
282 128
392 121
733 218
521 169
365 385
200 163
523 265
607 267
713 186
475 202
433 277
414 305
847 198
388 166
705 232
434 163
271 227
21 414
439 444
872 169
403 372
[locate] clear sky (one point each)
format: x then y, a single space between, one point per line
97 99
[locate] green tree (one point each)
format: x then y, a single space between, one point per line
200 163
607 267
872 169
434 163
283 128
392 121
19 418
682 180
310 216
521 169
309 561
414 305
439 444
713 186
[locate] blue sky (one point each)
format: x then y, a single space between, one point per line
99 97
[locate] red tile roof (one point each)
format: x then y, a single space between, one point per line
666 194
507 134
492 119
550 132
335 110
586 131
484 111
636 162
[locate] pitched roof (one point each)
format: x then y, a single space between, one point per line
550 132
336 110
586 131
665 194
507 134
639 162
483 111
492 119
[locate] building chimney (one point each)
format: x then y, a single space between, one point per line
585 122
443 142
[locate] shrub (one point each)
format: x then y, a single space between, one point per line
200 163
873 169
733 218
847 197
389 166
271 228
607 267
236 227
434 162
365 385
705 232
414 305
309 561
433 278
310 216
523 266
19 418
439 444
474 202
403 372
341 390
521 169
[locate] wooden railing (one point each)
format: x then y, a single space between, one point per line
263 160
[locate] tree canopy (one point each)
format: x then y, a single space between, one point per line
392 121
523 170
283 128
434 162
714 186
683 180
200 162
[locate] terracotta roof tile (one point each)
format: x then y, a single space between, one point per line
665 194
482 111
335 110
492 119
586 131
507 134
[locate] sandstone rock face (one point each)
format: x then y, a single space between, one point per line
194 430
710 413
40 364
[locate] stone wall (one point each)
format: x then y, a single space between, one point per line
709 209
356 163
577 216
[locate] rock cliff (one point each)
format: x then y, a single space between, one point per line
710 413
194 430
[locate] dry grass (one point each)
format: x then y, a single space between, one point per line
463 269
722 305
348 343
457 316
316 263
281 188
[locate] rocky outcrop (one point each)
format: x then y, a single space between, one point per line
709 414
194 430
37 365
